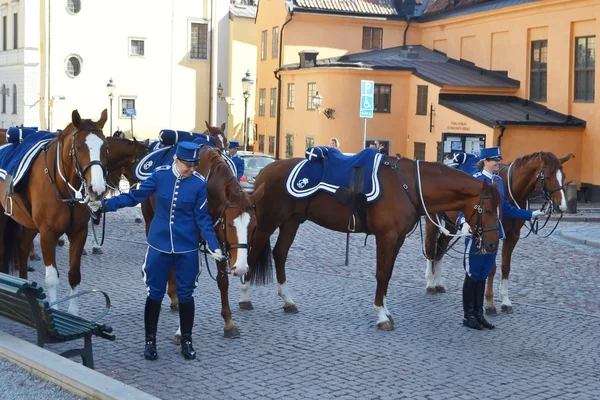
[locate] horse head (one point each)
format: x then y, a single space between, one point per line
482 213
85 154
123 157
219 135
232 209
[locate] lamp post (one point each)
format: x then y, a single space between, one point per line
110 87
317 101
247 83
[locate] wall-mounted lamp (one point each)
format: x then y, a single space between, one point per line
317 101
228 100
4 91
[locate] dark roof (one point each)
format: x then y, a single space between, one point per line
388 8
428 65
439 9
242 10
507 110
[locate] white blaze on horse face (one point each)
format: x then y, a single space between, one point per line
52 283
222 140
73 303
563 199
94 144
241 227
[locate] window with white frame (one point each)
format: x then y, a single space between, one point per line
275 42
311 91
126 102
199 41
273 103
136 47
291 95
262 94
263 45
73 6
73 65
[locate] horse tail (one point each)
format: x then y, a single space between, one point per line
262 272
10 243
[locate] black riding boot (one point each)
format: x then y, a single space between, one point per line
469 319
478 307
151 314
186 320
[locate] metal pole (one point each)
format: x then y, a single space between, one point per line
365 135
111 112
245 122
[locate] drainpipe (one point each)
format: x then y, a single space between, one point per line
278 123
405 30
49 77
502 128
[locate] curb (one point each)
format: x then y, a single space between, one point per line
69 375
576 219
590 243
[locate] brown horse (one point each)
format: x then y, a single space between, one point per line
218 133
539 172
390 218
70 172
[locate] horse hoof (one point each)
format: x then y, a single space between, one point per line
391 319
138 220
60 242
97 250
231 333
84 252
174 307
177 340
491 311
34 257
386 326
440 289
290 309
246 305
507 309
431 289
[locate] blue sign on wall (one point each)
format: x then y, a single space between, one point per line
367 89
130 112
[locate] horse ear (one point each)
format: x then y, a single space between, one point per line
76 119
103 118
566 158
207 125
147 143
223 127
258 194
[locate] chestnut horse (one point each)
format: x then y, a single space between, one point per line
70 172
539 172
409 190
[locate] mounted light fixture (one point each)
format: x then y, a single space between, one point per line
317 101
220 91
4 91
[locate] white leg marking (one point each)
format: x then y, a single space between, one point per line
429 275
382 315
178 334
240 268
563 198
52 283
244 295
74 303
504 293
282 291
94 144
437 274
385 309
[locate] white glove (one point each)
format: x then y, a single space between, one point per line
217 254
95 205
465 230
537 213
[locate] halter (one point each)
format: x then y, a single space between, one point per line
226 246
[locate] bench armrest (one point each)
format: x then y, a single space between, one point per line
100 316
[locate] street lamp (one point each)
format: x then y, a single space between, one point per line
110 87
220 91
317 101
247 83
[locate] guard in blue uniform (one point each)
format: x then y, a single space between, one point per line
237 160
181 210
479 266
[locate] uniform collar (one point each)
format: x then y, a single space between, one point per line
176 171
487 173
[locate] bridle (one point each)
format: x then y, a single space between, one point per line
222 222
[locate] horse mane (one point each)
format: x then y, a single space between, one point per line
547 157
221 172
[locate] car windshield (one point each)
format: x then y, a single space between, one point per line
257 162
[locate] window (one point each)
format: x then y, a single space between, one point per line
15 31
585 68
538 73
273 103
310 142
263 45
73 6
14 97
382 98
372 38
422 99
4 33
3 99
262 94
272 145
289 145
125 104
291 95
261 143
136 47
73 67
199 41
275 42
419 151
312 90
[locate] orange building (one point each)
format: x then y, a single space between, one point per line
449 75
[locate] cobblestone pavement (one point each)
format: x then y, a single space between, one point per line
332 348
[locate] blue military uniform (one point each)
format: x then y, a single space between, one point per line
181 210
237 160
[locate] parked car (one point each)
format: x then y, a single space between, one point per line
253 163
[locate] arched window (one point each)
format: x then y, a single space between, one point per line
73 6
73 65
3 99
14 98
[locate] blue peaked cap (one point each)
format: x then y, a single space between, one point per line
233 144
491 153
188 151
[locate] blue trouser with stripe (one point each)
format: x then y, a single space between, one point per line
156 270
477 266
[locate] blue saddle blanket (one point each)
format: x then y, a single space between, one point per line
327 169
16 159
465 162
